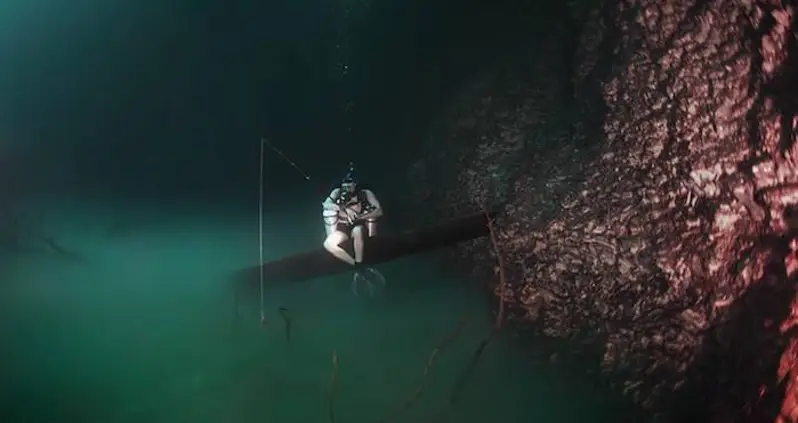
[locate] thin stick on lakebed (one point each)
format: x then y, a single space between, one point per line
60 250
16 237
393 415
333 385
287 320
465 375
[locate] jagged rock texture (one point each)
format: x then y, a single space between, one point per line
659 222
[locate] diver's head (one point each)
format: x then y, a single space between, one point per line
349 183
349 186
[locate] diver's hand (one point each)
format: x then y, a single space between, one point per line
351 215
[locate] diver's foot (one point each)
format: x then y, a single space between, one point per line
367 280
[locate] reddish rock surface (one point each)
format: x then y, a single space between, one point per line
652 215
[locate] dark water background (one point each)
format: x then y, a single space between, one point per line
129 132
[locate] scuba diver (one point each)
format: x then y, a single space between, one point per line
352 211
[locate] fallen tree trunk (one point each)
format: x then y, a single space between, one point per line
379 249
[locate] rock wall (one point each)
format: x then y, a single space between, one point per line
653 215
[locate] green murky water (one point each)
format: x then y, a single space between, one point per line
145 331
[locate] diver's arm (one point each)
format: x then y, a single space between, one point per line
376 211
329 202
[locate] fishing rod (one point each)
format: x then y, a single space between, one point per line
287 159
264 142
293 164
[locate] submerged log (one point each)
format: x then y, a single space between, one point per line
379 249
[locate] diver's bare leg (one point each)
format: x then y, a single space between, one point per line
358 233
333 245
357 237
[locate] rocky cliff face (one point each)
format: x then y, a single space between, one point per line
650 197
